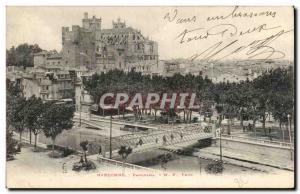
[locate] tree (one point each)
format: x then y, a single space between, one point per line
22 55
282 95
10 145
124 152
282 106
33 117
18 115
56 118
84 146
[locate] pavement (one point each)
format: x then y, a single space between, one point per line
245 159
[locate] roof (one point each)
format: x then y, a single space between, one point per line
46 82
55 56
41 53
63 72
117 30
53 67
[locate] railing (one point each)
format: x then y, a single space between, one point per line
262 141
124 164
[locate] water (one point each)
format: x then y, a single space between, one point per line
195 165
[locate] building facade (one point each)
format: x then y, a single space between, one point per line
48 85
101 50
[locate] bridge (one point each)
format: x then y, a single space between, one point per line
89 119
160 137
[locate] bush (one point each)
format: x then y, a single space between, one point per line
37 149
11 146
65 151
188 151
55 154
89 165
195 119
214 168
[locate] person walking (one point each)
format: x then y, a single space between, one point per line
172 137
100 150
141 142
164 140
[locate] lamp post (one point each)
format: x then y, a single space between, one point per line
290 135
110 138
219 132
80 111
221 144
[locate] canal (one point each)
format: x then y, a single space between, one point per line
196 166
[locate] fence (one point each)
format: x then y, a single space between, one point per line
124 165
261 141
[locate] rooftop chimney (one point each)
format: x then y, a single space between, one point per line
86 15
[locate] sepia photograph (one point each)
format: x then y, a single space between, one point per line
150 97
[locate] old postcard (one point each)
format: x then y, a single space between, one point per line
150 97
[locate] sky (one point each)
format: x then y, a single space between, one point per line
42 25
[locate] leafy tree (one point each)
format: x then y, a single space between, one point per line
22 55
281 99
56 118
33 117
84 146
10 145
124 152
282 106
244 100
17 115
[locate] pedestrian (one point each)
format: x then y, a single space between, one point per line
156 140
81 159
172 137
141 142
181 135
164 139
64 168
100 150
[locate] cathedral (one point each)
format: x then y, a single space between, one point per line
120 47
